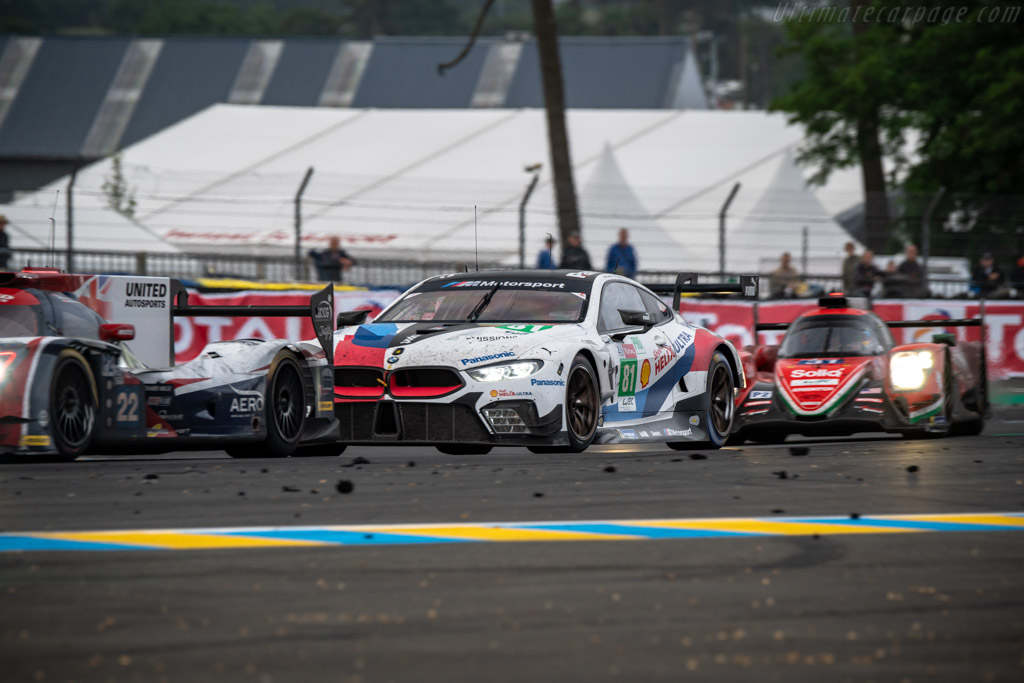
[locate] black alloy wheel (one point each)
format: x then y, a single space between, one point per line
72 408
285 412
721 404
582 404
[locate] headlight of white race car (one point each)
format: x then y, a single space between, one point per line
505 371
907 369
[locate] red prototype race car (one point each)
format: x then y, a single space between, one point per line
838 371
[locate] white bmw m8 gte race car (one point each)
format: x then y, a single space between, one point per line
551 360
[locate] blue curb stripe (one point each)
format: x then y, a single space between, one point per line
13 543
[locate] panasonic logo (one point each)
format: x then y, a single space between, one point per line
547 382
817 373
481 359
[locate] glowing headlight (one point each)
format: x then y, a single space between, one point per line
907 369
497 373
6 358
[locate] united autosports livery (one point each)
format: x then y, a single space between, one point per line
839 371
546 360
70 382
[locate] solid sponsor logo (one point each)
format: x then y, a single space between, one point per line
645 373
247 404
754 395
393 359
663 357
547 382
681 341
505 393
644 434
34 440
678 432
145 295
798 373
627 378
627 433
629 350
326 406
821 361
506 283
872 390
502 337
522 329
493 356
814 382
639 345
158 400
627 404
582 274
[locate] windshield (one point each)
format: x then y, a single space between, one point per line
832 337
504 306
19 321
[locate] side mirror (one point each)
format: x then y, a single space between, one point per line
637 318
765 357
947 339
347 318
114 332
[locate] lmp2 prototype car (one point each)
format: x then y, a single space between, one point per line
838 371
70 384
551 360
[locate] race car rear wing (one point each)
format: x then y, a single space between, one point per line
686 283
320 312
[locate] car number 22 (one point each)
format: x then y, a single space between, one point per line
127 407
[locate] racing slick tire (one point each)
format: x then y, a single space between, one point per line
721 403
284 411
320 450
464 449
582 404
72 407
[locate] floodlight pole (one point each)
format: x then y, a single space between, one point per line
298 223
803 251
71 222
721 229
535 170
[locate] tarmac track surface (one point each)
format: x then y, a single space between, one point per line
882 607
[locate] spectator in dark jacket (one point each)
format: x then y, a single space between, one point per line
908 280
574 256
986 278
849 267
546 257
331 262
865 275
622 256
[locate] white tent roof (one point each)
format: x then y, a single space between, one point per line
404 183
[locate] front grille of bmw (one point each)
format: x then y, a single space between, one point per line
358 383
423 382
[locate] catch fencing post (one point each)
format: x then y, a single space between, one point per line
721 229
535 170
926 231
298 223
803 251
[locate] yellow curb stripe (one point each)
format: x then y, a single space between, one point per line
498 534
170 540
993 520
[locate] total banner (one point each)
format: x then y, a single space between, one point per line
1004 324
192 334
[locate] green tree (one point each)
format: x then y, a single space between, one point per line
120 197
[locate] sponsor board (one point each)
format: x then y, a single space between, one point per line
627 404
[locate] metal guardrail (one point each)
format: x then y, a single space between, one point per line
367 272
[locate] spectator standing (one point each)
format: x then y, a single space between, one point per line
331 262
622 257
912 284
546 257
865 275
849 267
986 278
5 251
784 279
1017 277
574 256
